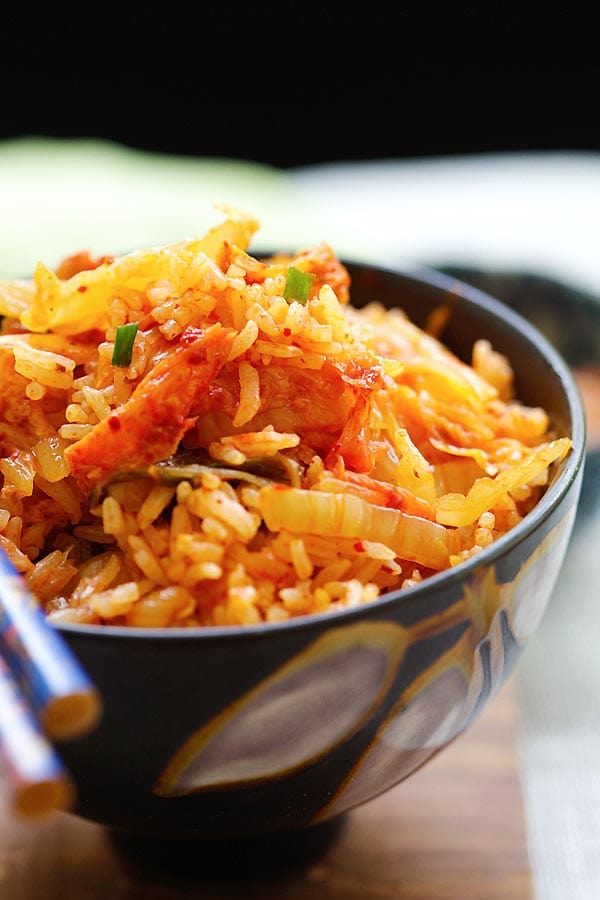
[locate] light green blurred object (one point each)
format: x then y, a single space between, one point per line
61 196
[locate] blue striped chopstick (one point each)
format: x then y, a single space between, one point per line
37 781
60 694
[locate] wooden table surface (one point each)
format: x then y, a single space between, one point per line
453 831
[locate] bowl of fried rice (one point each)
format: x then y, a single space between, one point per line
296 515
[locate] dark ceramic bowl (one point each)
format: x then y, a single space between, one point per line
230 732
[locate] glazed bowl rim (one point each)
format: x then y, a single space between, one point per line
420 593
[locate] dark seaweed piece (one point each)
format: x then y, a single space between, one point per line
190 465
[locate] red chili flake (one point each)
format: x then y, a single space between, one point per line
82 289
359 547
287 331
386 569
114 423
416 474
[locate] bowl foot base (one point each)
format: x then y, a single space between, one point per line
201 859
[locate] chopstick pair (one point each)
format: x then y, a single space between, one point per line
38 781
45 696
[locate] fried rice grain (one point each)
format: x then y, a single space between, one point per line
258 456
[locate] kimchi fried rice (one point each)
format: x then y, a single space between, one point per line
192 436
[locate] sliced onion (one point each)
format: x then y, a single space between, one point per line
458 509
456 476
345 515
477 455
15 297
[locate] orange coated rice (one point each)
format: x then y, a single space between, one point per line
317 455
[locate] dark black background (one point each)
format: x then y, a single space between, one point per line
311 90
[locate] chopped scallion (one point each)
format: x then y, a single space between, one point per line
124 339
297 285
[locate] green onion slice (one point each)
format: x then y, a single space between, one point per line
124 344
297 285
